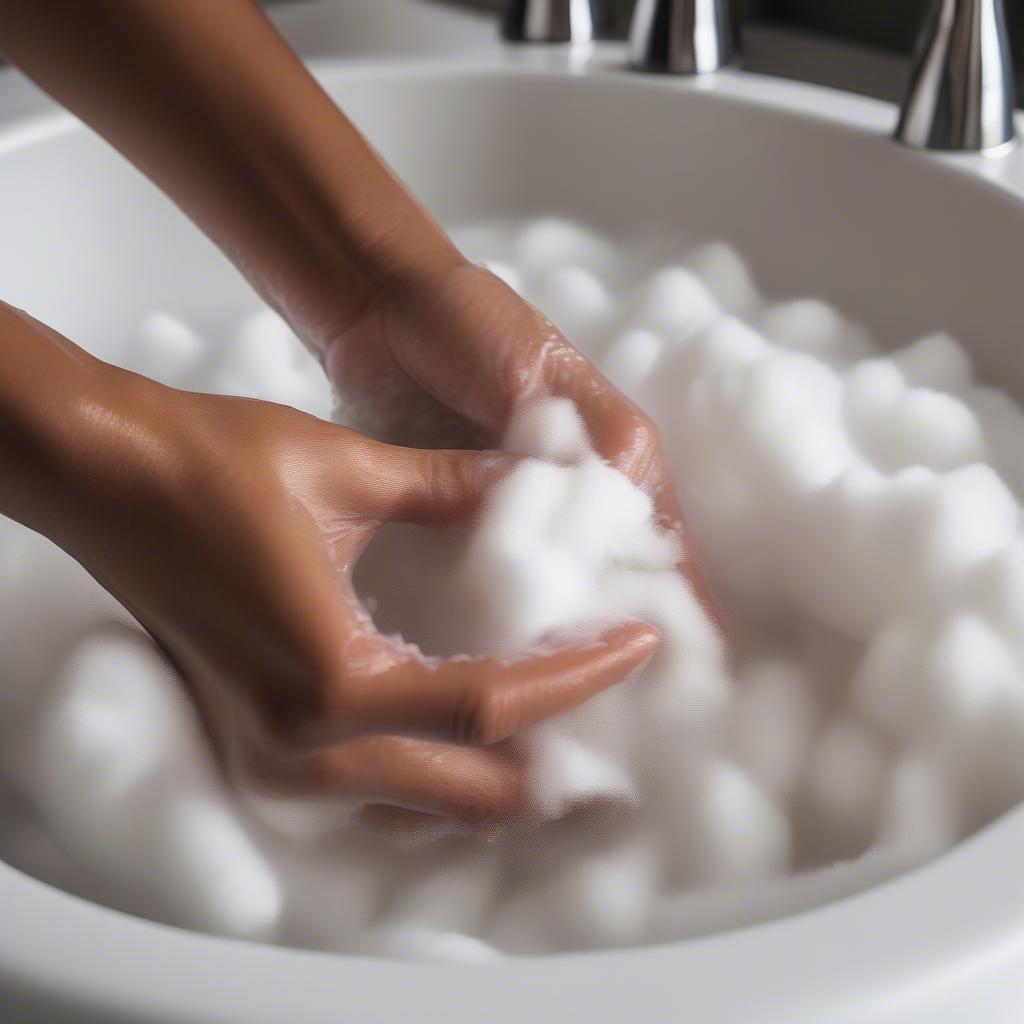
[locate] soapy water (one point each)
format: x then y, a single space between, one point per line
857 514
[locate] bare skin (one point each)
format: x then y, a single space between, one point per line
229 528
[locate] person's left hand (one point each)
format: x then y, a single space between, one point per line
464 352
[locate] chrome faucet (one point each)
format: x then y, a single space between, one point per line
548 21
683 37
961 94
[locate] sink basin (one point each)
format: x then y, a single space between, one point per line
804 182
807 186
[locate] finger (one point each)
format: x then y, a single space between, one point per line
482 701
420 777
429 487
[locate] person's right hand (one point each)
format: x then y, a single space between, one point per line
229 528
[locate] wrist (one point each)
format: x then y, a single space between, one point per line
339 231
360 276
77 426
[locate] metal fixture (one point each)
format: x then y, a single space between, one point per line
683 37
548 21
961 94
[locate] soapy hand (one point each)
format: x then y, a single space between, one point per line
464 351
225 521
229 528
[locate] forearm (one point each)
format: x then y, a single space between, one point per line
209 102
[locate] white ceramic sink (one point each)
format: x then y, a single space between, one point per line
808 187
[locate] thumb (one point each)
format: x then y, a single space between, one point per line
429 487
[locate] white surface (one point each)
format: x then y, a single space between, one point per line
943 944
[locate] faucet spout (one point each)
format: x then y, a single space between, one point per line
548 21
683 37
961 93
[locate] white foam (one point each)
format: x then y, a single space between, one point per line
772 724
857 513
168 348
574 298
676 304
726 276
125 783
552 431
845 782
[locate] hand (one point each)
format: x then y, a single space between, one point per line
265 163
463 351
229 528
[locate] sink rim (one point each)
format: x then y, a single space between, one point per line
957 915
899 925
863 116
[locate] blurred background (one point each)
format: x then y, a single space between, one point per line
862 46
888 23
859 45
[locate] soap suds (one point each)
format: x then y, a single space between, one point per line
858 515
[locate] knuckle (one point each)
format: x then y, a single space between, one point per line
480 717
500 807
328 771
440 472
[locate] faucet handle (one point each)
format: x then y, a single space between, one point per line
683 37
961 93
548 21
